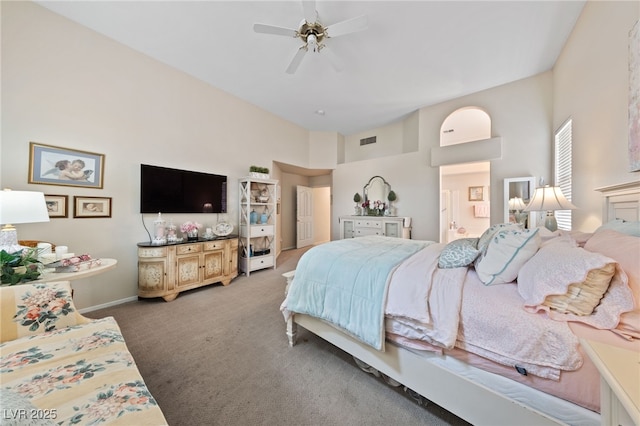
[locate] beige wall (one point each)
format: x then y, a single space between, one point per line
591 86
67 86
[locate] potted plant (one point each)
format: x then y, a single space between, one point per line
259 172
357 198
19 267
391 196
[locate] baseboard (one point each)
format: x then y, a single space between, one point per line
108 305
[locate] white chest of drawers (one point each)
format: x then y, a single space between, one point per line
360 226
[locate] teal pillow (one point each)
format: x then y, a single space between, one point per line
459 253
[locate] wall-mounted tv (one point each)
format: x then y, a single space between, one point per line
165 190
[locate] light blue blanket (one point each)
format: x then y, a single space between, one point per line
345 282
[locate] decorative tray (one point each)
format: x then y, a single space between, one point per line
223 229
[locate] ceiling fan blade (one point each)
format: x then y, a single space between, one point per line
272 29
335 62
352 25
295 62
309 11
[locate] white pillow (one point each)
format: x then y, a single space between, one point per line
486 236
505 254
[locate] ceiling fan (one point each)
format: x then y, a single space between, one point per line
313 33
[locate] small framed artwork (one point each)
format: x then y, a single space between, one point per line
57 205
476 193
89 207
51 165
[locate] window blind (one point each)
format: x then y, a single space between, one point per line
562 171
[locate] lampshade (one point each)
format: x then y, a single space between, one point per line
549 198
516 203
19 207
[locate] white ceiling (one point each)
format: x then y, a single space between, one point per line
413 53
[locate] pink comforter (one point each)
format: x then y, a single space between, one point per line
451 307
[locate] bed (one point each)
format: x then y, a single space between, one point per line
449 356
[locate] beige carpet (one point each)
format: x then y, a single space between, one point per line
219 356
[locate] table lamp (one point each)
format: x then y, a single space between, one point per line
19 207
549 198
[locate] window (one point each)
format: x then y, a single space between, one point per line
562 171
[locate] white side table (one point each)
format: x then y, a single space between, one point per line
619 382
106 265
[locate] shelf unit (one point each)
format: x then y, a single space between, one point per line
257 238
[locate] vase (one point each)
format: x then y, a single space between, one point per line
192 235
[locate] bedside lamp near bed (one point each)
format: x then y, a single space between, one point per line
549 198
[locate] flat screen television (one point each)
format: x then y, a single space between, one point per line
165 190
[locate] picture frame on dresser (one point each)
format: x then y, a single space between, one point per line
57 205
52 165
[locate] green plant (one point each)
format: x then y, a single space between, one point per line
357 198
392 196
258 169
19 267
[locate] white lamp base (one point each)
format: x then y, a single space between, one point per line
9 239
550 222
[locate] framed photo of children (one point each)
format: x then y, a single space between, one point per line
91 207
53 165
56 205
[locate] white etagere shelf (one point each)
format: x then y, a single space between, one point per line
257 199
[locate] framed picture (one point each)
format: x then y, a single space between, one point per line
86 207
476 193
57 205
52 165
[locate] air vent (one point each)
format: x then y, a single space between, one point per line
368 141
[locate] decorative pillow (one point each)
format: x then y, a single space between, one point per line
565 278
582 298
486 236
30 309
573 284
459 253
505 254
624 249
625 227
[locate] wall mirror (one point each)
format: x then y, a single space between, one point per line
376 189
517 193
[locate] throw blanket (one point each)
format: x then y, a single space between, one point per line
424 301
345 282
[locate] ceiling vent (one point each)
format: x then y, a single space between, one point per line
368 141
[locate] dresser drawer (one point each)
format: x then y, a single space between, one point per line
188 248
261 231
152 252
261 262
213 245
364 223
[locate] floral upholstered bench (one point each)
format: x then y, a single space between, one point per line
59 367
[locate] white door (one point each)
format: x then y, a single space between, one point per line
304 215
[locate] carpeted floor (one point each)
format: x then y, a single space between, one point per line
219 356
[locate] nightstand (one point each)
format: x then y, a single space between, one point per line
619 382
